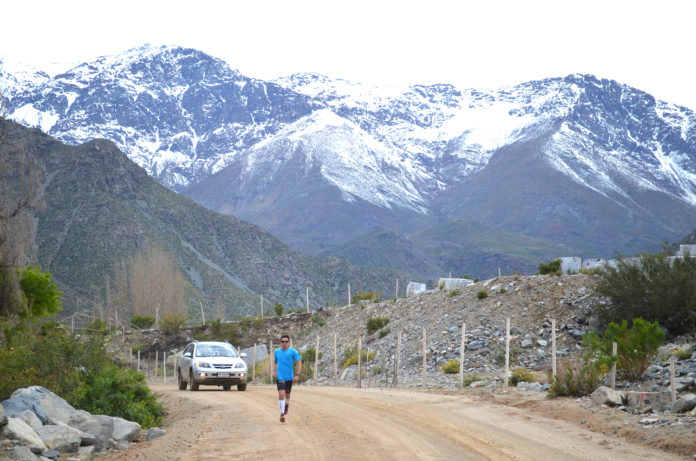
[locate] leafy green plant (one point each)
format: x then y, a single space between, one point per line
40 295
375 323
278 308
482 294
683 353
442 286
653 288
503 291
576 378
470 379
454 293
636 346
370 296
550 268
451 367
515 352
521 374
172 323
142 322
384 332
350 356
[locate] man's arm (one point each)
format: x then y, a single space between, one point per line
299 371
275 366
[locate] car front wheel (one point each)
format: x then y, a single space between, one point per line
192 383
180 379
241 387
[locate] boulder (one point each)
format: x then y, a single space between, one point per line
14 406
99 426
61 438
684 404
644 401
683 383
125 430
22 453
475 345
542 342
18 430
3 417
31 419
154 432
54 407
526 343
604 395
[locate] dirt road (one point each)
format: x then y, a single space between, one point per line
354 424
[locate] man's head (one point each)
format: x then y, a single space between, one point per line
285 342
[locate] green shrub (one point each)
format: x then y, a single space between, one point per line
654 289
375 323
683 353
451 367
142 322
551 268
515 352
278 308
454 293
503 291
482 294
318 321
521 374
370 296
576 379
636 346
216 326
470 379
442 286
75 368
350 356
384 332
172 323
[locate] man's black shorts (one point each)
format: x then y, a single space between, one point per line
284 385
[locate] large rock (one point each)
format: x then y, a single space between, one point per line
22 453
31 419
3 416
125 430
60 437
604 395
684 404
99 426
18 430
642 401
54 407
14 406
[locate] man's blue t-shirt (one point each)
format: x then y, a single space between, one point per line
286 361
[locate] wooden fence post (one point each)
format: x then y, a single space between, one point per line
461 357
396 293
253 365
316 361
164 366
425 359
614 351
359 360
671 379
270 361
553 347
261 306
396 362
507 349
308 300
138 361
349 295
335 361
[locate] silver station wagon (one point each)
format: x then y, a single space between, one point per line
211 363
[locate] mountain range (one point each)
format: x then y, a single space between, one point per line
572 165
100 209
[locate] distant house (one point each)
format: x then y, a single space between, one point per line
416 288
452 283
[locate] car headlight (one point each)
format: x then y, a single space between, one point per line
203 365
239 365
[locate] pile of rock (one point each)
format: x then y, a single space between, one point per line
37 424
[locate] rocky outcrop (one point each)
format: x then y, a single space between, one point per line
35 421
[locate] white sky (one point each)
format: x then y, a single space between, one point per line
647 44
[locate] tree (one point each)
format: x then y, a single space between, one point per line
19 195
156 285
40 294
278 308
654 288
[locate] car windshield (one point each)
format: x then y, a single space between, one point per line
215 350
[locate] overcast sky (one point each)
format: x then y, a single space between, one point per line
646 44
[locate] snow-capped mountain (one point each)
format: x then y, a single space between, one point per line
582 161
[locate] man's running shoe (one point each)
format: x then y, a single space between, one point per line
282 418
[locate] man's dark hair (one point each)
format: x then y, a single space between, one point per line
285 336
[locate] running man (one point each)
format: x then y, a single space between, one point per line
283 369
